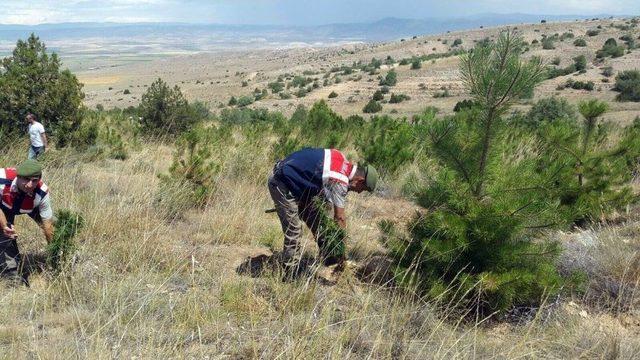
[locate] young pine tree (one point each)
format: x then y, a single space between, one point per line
472 244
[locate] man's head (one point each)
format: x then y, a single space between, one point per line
29 173
365 178
30 118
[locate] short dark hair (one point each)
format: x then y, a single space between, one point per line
32 115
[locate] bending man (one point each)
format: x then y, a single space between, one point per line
23 192
302 182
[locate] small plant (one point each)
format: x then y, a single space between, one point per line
580 63
396 99
607 71
276 87
464 105
245 101
441 94
391 79
372 107
190 180
378 95
593 32
416 64
457 42
548 44
551 109
628 85
61 249
333 95
610 49
332 235
580 43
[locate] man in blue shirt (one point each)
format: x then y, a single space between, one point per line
305 178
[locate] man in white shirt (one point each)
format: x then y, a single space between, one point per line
37 137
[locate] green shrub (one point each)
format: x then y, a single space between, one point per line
580 85
610 48
245 101
607 71
377 96
580 63
165 110
580 43
457 42
548 44
372 107
593 32
61 249
233 101
566 35
386 143
628 85
551 109
463 105
391 79
416 64
333 95
441 94
396 99
322 127
556 61
276 87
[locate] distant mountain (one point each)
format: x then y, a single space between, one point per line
105 38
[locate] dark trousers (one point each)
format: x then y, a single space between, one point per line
10 260
292 213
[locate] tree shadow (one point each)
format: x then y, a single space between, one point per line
34 263
376 269
263 264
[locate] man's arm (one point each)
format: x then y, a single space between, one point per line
340 217
47 229
45 219
43 136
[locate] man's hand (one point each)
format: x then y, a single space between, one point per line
340 217
47 229
9 232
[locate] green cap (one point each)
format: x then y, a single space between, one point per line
29 168
370 177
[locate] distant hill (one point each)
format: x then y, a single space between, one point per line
228 35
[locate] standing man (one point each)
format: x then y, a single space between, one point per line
37 137
23 192
302 178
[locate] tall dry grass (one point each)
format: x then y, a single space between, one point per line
146 287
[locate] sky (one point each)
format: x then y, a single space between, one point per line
290 12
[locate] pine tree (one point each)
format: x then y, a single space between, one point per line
472 244
31 81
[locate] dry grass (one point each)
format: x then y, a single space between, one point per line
147 288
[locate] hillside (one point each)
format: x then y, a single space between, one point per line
214 78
